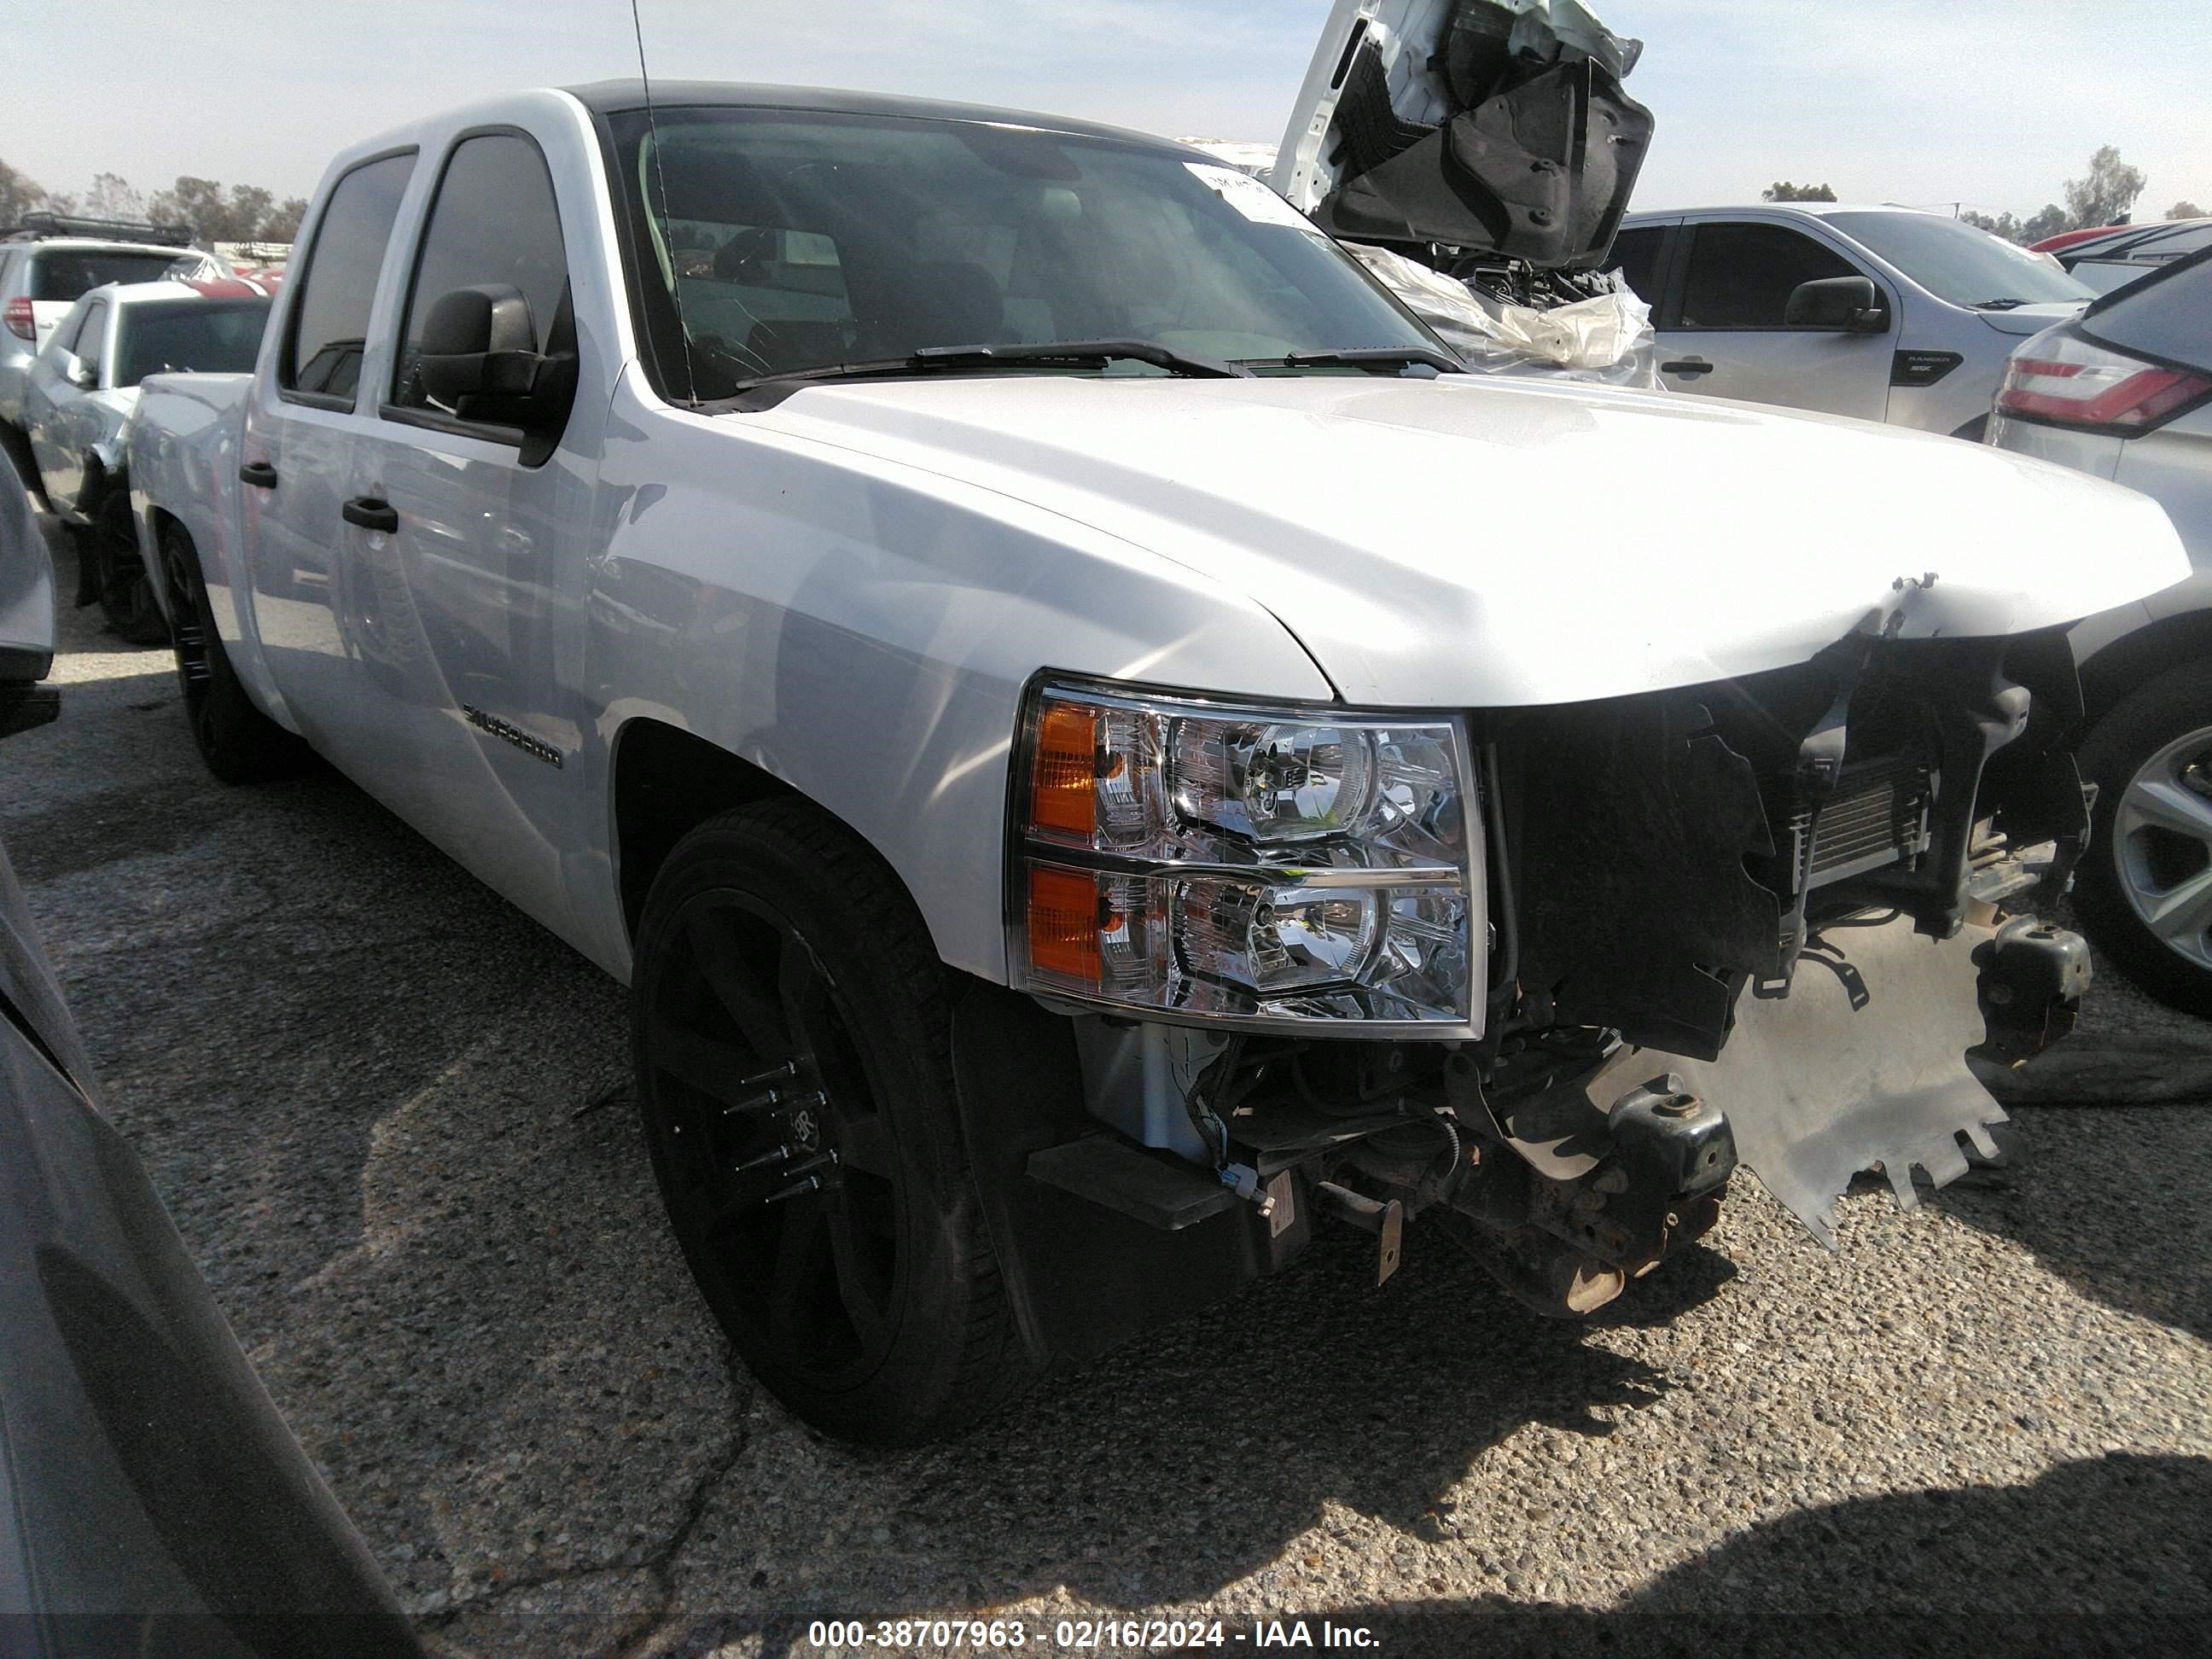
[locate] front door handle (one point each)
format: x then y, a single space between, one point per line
1688 367
371 513
259 474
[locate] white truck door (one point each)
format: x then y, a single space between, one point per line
295 454
467 513
1722 331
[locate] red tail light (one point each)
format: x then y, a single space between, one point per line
23 322
2070 382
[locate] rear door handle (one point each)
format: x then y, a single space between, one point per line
259 474
371 513
1688 367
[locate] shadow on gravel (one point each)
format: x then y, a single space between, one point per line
2104 1557
2111 1198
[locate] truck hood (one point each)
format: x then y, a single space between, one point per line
1484 125
1467 542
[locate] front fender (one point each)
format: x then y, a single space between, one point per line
862 630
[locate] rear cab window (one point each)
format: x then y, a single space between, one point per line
336 285
207 337
1741 276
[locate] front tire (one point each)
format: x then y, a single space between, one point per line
792 1042
239 743
2144 893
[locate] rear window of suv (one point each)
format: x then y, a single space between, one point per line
65 274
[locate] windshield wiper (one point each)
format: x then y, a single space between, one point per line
1998 305
766 390
1084 351
1434 357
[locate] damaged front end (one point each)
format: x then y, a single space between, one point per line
1755 923
1478 156
1492 124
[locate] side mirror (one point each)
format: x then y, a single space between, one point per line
481 357
479 343
1849 305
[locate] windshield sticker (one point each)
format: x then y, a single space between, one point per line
1247 196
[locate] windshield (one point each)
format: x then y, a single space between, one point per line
1954 261
214 337
776 241
68 273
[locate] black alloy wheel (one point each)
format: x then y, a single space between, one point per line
126 590
793 1079
238 741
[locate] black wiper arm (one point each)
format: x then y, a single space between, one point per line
766 390
1082 351
1998 305
1435 357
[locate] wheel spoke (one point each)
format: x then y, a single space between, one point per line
2163 804
860 1286
2183 915
865 1143
800 1256
737 990
696 1061
801 988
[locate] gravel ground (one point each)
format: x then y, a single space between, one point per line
355 1075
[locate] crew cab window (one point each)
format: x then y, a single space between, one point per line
1636 256
492 223
62 274
337 283
92 338
1742 276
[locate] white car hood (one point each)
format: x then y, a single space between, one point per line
1471 542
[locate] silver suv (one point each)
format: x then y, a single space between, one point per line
1881 312
48 262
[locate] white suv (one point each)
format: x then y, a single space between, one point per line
43 271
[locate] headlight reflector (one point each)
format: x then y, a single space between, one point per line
1249 867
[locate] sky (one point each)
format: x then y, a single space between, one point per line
1918 102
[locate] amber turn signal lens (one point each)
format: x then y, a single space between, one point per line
1064 783
1064 925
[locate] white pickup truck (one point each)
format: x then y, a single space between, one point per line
1097 750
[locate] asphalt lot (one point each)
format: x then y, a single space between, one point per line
355 1077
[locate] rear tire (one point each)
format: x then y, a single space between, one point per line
126 590
778 954
239 743
2144 893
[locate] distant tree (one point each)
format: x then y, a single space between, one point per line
19 194
1784 190
2006 225
195 204
2186 210
112 197
244 213
2106 195
283 224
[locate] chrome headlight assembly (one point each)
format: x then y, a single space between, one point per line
1257 868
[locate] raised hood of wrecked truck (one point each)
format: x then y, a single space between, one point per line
1482 124
1470 543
